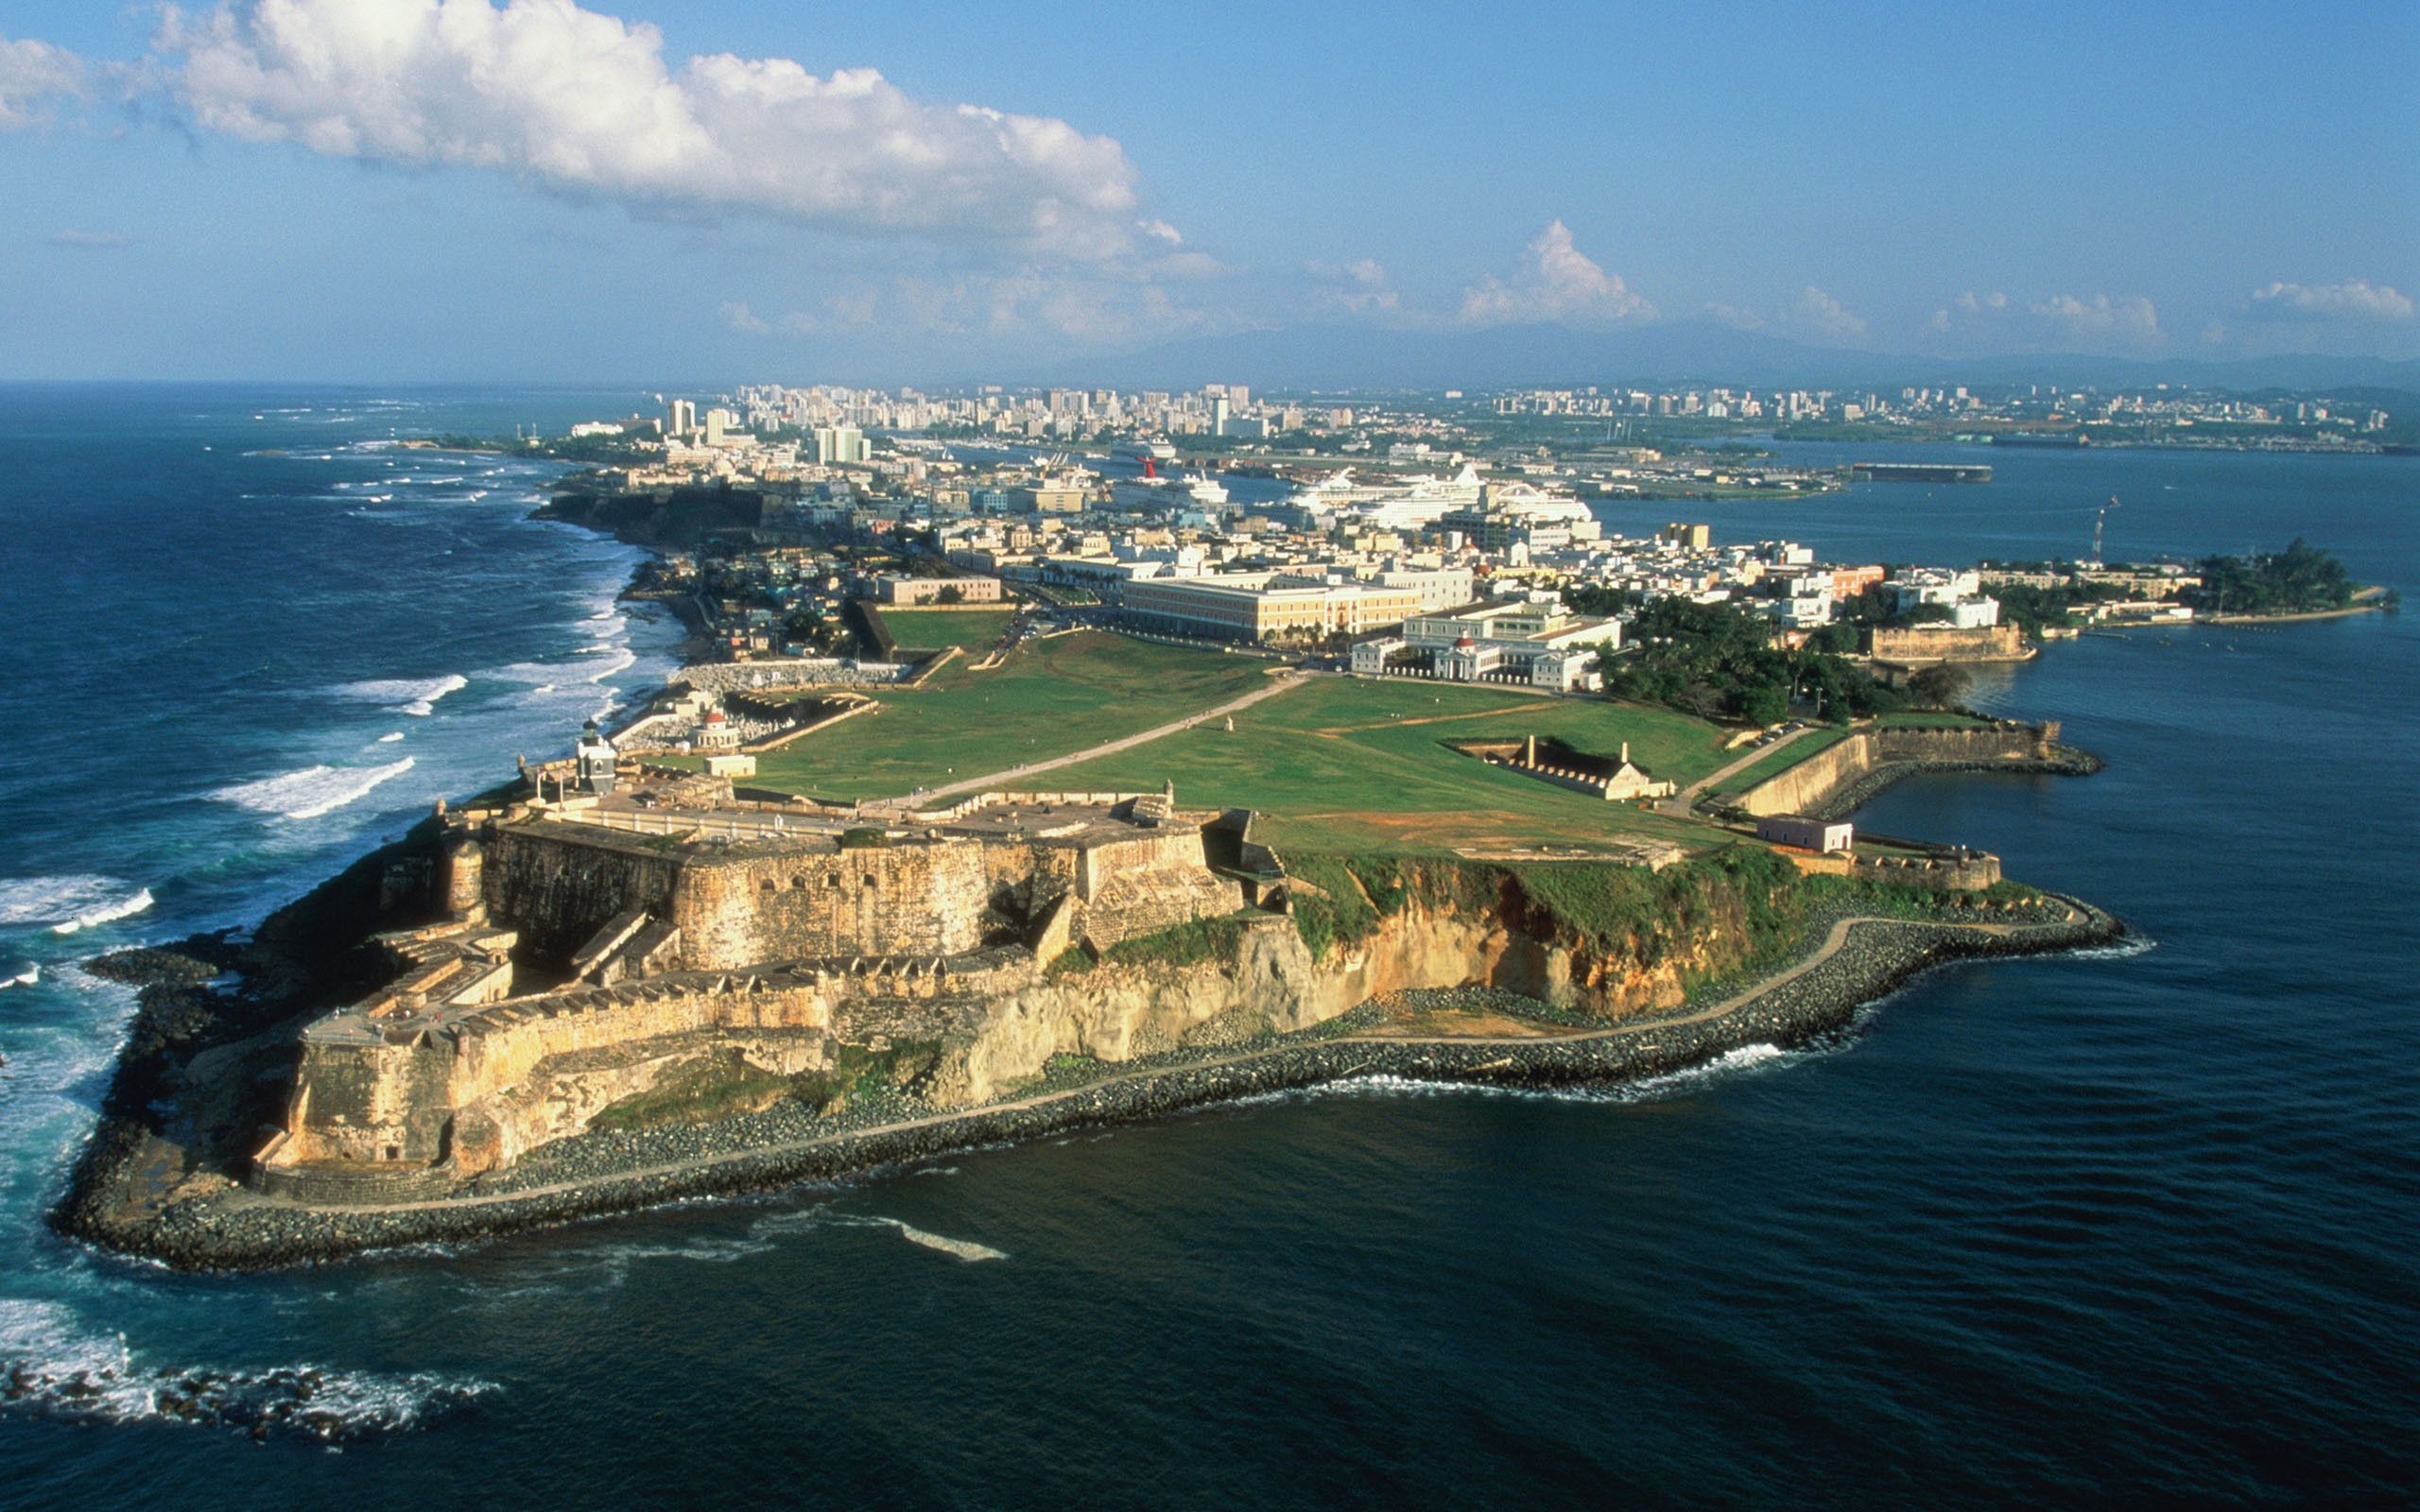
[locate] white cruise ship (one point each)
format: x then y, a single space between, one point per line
1396 503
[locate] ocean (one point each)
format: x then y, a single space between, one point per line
2133 1226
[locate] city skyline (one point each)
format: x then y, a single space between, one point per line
409 191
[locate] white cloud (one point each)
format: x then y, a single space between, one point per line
1560 282
1968 308
72 237
1361 286
2354 301
1827 316
740 317
2135 318
585 103
33 77
2128 322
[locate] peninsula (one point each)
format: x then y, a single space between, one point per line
957 860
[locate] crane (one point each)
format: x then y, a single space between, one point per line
2100 522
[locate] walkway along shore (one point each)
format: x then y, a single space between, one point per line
1859 960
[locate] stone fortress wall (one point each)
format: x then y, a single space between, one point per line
1806 787
778 950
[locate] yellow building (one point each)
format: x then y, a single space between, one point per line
1266 607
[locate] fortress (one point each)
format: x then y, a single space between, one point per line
631 921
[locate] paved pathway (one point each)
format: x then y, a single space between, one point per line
1680 802
1276 685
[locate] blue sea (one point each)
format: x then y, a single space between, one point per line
2128 1227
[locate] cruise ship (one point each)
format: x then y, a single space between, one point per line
1396 503
1533 504
1153 490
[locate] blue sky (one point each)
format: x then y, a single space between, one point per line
366 189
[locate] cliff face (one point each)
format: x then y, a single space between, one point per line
1271 983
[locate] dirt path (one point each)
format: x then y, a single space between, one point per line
1832 942
973 785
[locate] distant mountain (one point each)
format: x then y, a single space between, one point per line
1368 357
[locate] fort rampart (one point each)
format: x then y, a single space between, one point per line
1817 783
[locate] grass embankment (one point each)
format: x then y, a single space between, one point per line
1352 765
726 1085
1052 698
1730 915
930 629
1777 762
1188 944
1746 892
1932 719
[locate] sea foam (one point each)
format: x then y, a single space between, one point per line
311 791
68 903
413 695
53 1366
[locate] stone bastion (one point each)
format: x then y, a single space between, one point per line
586 950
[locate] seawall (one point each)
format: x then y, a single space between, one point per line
1838 778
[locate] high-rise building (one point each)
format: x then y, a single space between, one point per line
839 444
684 417
1218 415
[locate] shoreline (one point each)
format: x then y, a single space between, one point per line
1818 991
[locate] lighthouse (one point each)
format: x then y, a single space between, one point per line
593 761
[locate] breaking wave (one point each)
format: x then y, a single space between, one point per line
413 695
2133 944
966 1249
106 913
311 791
585 669
68 903
51 1366
1746 1059
31 974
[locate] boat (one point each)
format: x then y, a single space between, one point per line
1203 488
1397 502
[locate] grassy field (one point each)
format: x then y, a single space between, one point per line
930 629
1349 764
1050 698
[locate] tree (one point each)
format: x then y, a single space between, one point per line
952 594
1764 703
1941 684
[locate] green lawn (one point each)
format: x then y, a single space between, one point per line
1358 765
1050 698
930 629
